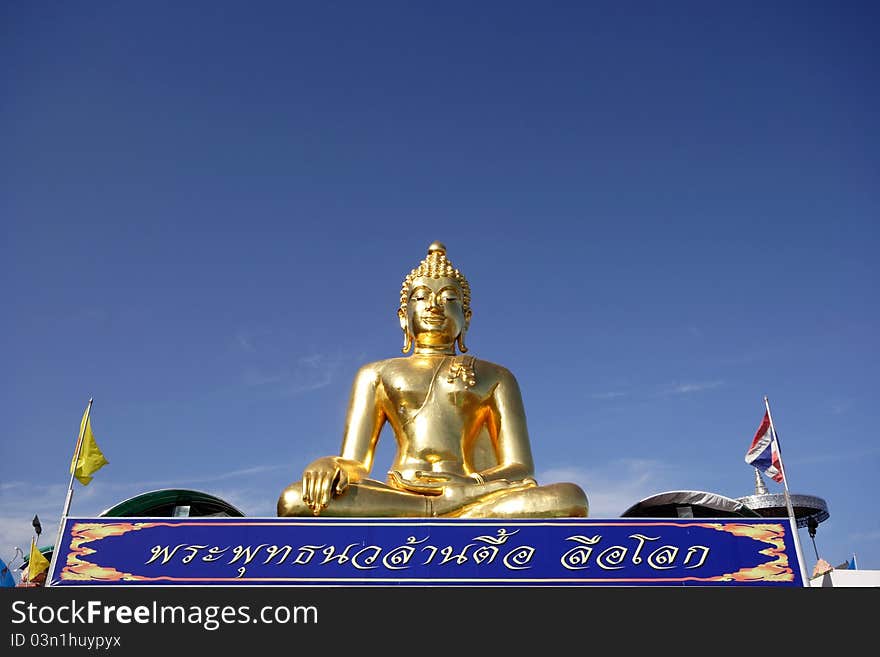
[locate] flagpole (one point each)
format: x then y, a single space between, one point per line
69 498
797 538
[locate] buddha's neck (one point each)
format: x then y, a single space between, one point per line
434 350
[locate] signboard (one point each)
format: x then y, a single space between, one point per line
418 551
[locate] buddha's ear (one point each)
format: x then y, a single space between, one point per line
460 338
407 337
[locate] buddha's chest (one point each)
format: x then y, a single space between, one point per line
439 391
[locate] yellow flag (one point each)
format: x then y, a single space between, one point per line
90 457
37 563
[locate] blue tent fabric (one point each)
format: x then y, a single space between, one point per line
6 578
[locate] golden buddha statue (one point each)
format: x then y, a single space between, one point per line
462 444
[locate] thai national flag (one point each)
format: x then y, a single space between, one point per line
764 452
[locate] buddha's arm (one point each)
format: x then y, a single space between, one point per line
364 420
509 432
331 475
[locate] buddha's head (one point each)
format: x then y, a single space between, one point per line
435 304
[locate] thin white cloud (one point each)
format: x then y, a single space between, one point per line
665 390
252 339
323 380
244 342
688 388
242 472
835 456
612 394
252 502
313 360
873 535
254 377
613 488
313 372
269 360
22 501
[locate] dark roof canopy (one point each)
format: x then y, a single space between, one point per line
688 504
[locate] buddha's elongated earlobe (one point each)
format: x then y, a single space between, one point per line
407 336
467 322
461 346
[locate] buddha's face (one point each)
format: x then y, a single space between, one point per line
434 312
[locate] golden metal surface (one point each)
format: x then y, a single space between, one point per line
462 443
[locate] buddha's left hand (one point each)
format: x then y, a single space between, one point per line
431 483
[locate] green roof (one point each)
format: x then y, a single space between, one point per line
160 503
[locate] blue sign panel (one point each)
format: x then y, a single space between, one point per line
401 551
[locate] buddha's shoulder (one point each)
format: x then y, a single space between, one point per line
494 370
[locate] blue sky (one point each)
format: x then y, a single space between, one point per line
665 211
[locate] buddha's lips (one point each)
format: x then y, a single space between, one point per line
433 319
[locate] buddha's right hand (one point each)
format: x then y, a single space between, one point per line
322 479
